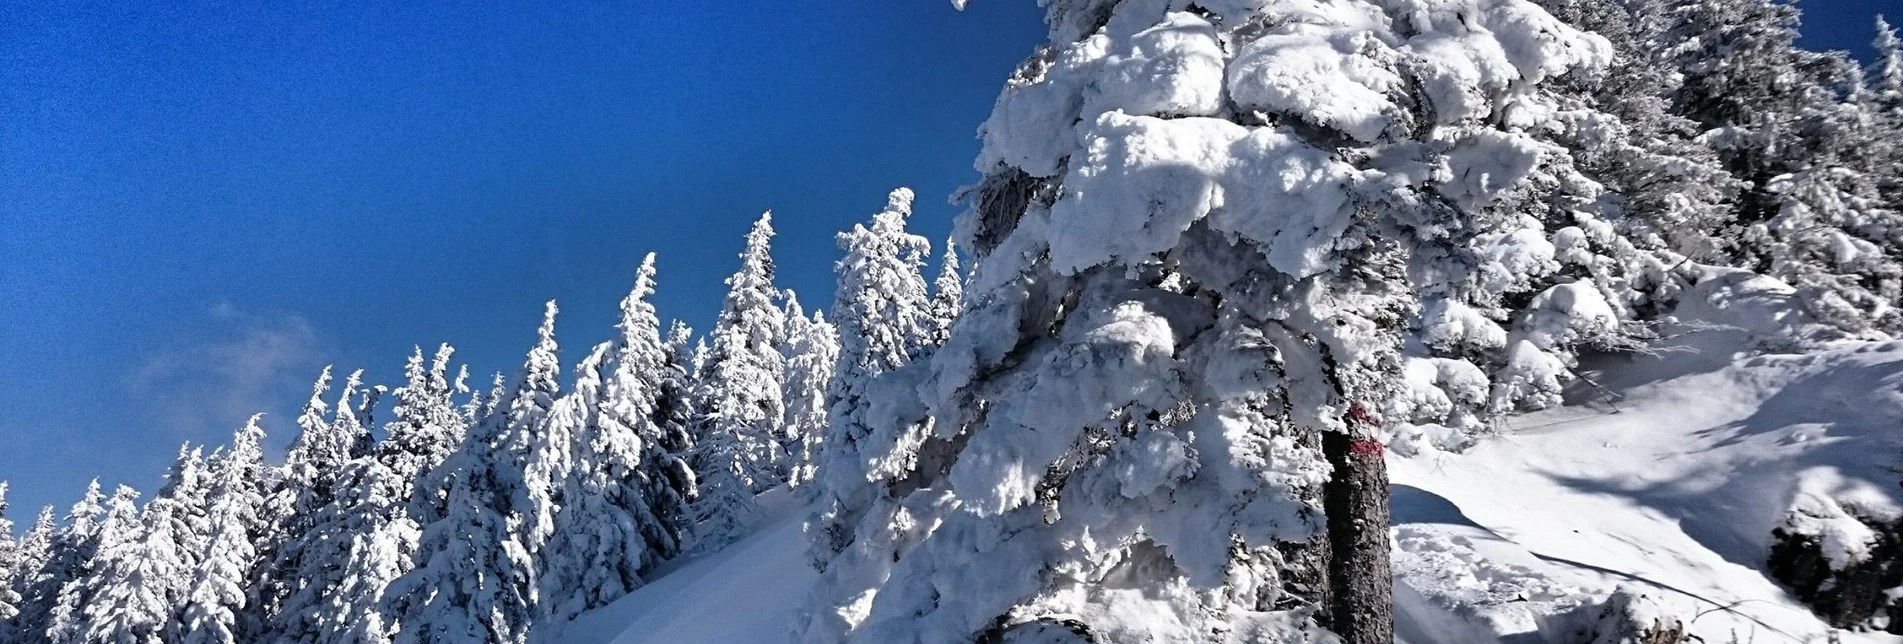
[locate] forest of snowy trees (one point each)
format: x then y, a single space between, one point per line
1222 256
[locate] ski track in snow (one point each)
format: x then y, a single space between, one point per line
1674 493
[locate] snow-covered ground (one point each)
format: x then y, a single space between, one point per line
746 592
1668 481
1675 494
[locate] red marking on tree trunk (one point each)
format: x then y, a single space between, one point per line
1360 416
1365 447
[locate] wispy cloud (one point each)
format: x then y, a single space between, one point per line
255 362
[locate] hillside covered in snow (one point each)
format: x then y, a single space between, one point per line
1664 482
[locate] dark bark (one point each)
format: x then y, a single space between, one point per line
1355 499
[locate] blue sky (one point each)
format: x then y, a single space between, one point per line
205 203
202 204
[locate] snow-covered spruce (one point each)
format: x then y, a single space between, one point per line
32 553
305 484
214 609
1790 124
10 564
73 614
736 452
676 407
69 556
626 512
1203 239
369 535
812 355
493 499
140 579
948 293
884 317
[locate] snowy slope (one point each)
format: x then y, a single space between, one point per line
1669 483
743 593
1675 493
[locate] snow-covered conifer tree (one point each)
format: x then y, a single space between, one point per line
948 293
311 464
71 616
696 359
475 407
188 485
305 483
535 484
369 535
676 411
69 555
32 554
627 512
812 353
740 408
1883 101
1785 122
1886 74
135 588
474 580
884 318
139 583
1666 184
216 601
364 414
11 565
1201 244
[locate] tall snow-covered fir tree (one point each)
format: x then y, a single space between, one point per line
188 488
948 293
11 564
644 369
118 525
812 353
306 484
33 552
676 408
369 535
140 579
1883 101
1203 243
216 601
627 512
740 409
320 449
1669 188
491 502
69 558
883 315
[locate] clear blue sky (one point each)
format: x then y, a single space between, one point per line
202 204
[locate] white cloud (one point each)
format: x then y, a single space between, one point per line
254 363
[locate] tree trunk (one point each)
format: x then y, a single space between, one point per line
1361 594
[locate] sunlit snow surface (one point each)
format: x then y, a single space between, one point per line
1670 486
746 592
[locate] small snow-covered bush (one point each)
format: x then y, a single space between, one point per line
1841 562
1628 616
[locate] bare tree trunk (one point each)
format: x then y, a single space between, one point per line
1355 499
